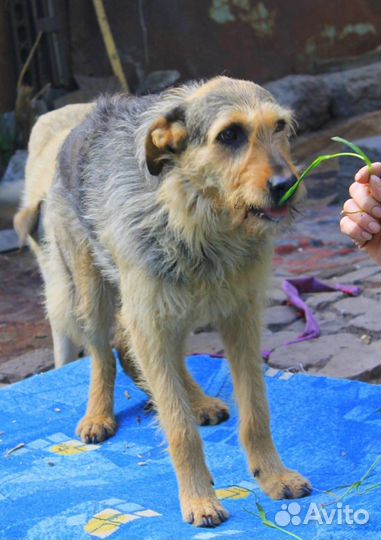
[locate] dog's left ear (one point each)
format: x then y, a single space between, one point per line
166 136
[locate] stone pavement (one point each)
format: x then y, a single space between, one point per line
350 342
25 341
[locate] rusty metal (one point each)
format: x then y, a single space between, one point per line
51 18
52 60
260 40
23 35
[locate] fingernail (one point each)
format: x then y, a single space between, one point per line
366 236
373 227
357 176
376 211
375 186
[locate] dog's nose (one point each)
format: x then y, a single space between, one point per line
279 185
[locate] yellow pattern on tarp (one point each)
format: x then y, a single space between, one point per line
72 448
107 522
232 492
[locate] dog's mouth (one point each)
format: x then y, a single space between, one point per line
272 215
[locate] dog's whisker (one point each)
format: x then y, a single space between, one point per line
296 210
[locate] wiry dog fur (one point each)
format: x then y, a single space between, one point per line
163 210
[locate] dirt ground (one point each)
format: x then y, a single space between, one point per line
23 326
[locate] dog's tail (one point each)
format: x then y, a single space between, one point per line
46 139
26 222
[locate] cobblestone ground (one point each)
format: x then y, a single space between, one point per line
25 342
350 341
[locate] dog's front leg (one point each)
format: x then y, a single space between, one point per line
157 346
241 334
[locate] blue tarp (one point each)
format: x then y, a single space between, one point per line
57 488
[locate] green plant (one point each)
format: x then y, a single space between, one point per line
362 483
356 153
268 523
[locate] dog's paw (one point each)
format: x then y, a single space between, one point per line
95 429
210 411
203 512
284 485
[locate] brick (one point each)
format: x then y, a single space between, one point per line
25 365
270 340
359 276
345 356
357 361
369 321
323 299
205 343
279 316
331 323
305 354
358 306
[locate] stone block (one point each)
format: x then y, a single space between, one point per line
25 365
278 317
204 343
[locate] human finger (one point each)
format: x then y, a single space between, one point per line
354 231
357 215
363 174
364 200
375 187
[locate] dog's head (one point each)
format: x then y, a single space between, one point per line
229 138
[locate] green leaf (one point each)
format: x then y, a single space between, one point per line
271 524
358 484
313 166
355 148
357 153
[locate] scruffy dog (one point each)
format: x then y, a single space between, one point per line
162 211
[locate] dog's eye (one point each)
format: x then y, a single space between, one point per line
233 135
279 126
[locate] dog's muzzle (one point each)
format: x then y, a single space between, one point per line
279 185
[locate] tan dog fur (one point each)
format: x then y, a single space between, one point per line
46 139
207 196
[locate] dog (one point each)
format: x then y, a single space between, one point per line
162 213
45 142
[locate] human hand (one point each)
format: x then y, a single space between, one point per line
362 213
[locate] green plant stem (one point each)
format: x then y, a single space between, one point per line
357 153
313 166
262 515
358 484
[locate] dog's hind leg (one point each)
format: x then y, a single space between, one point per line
99 421
207 410
241 334
94 311
127 362
79 311
65 350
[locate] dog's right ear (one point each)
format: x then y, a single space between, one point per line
166 137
